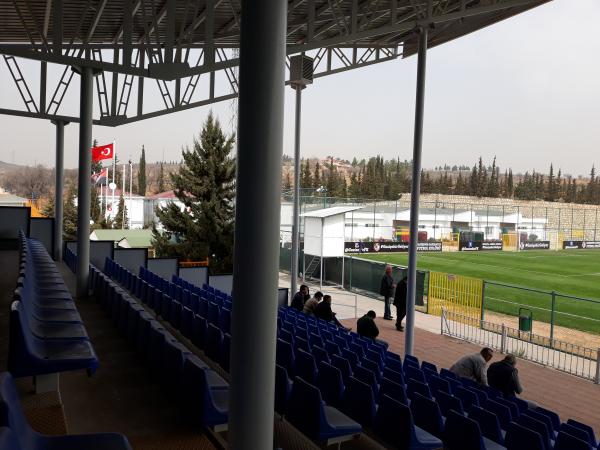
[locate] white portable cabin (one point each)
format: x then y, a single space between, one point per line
325 233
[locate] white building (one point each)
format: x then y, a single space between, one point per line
161 200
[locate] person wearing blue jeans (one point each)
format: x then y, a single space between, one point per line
387 290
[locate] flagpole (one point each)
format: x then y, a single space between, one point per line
112 205
130 190
123 195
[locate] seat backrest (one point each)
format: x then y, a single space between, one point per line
576 432
448 374
413 386
461 433
368 363
332 348
514 410
565 441
414 373
488 423
428 365
359 402
412 358
518 437
375 355
393 390
394 423
542 418
427 415
439 384
350 356
8 439
467 397
283 389
305 409
306 367
320 354
366 376
343 365
394 364
285 355
583 426
394 375
553 416
330 383
480 393
11 412
502 412
448 402
537 426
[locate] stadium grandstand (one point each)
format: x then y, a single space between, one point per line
104 348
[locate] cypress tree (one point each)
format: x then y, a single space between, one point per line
205 184
316 181
161 178
70 215
142 174
121 218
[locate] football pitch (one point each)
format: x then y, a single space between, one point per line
571 273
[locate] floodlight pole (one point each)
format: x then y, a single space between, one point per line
257 224
415 192
59 188
84 185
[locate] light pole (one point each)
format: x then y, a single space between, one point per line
301 71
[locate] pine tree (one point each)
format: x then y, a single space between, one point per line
70 215
142 174
305 176
121 218
510 189
316 182
95 207
48 209
473 182
205 184
161 179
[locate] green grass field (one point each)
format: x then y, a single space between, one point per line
571 272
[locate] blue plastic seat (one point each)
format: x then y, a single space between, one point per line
428 365
199 329
225 320
392 389
285 355
502 412
367 376
320 354
393 375
224 357
437 384
587 428
413 386
213 313
214 341
537 426
368 363
415 373
394 425
427 415
520 438
576 432
488 423
343 365
320 423
565 441
542 418
173 358
187 318
203 405
521 405
330 383
552 415
283 389
350 356
165 307
445 373
22 436
359 402
463 433
448 402
29 355
341 342
175 314
286 336
332 348
467 397
514 410
302 344
411 359
482 396
358 349
306 367
375 355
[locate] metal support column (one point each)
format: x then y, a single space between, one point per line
58 189
260 144
296 218
416 190
84 185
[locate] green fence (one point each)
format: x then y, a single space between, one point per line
359 275
555 315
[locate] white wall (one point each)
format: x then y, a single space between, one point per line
312 235
333 236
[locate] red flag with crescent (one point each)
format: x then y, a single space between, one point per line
102 152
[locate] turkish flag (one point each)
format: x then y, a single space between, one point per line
102 152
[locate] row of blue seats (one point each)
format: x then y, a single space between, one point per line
210 290
202 393
340 385
46 331
16 434
210 336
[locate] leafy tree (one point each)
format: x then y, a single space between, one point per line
205 184
142 174
121 218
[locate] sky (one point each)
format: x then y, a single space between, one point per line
526 90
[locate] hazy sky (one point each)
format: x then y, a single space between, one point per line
526 89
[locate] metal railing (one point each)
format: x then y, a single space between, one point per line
574 359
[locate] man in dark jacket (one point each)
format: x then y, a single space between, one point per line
300 297
504 376
387 290
400 303
366 326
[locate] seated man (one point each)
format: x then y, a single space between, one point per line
366 326
504 376
323 311
473 366
311 304
300 298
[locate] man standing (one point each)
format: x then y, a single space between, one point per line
473 366
400 302
366 326
300 298
387 290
